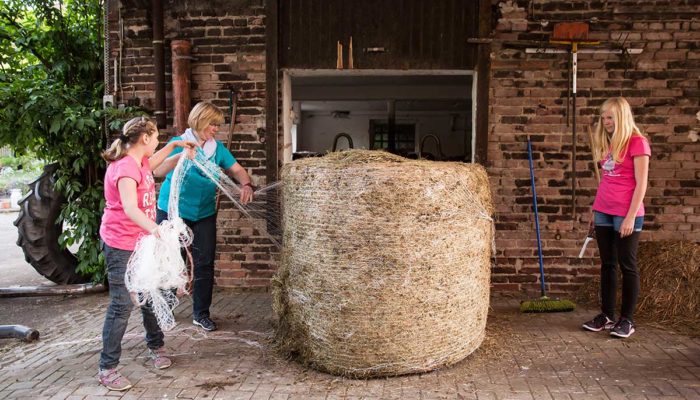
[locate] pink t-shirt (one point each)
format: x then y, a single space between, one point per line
118 230
617 181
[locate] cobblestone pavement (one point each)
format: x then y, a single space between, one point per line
525 356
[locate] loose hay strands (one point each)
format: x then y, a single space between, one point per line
670 285
386 263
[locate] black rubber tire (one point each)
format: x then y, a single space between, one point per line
39 232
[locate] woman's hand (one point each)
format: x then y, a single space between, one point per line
246 193
627 227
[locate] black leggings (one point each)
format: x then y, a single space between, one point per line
615 250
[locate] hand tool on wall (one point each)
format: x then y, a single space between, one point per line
590 236
573 34
232 105
591 226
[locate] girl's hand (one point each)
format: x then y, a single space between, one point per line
189 146
627 227
155 232
185 143
246 194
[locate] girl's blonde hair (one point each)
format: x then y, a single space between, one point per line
625 128
203 114
131 133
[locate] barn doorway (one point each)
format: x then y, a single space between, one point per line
415 114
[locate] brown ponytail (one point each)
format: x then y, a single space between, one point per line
131 133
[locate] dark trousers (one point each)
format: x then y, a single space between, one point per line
614 251
119 310
203 252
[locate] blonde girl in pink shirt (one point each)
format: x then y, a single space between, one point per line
618 211
129 214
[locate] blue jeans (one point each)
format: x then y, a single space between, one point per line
203 254
119 310
615 221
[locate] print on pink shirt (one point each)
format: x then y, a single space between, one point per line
609 166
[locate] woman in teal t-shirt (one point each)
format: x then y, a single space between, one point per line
198 203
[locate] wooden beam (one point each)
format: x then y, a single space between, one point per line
483 73
271 92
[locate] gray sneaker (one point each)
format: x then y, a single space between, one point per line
160 359
600 322
623 328
205 323
113 379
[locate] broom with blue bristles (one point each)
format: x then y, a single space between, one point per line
544 303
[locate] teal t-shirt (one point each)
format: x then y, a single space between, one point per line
198 193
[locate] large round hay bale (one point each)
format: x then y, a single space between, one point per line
386 263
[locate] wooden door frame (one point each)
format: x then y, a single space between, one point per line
480 89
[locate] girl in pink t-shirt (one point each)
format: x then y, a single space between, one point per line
129 213
618 211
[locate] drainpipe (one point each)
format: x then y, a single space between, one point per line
159 62
181 82
105 30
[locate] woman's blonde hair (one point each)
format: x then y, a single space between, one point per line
203 114
131 133
625 128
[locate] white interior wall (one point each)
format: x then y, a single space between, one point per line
317 129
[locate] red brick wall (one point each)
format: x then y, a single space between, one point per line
527 97
228 46
527 93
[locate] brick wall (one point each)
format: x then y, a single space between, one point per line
228 46
528 93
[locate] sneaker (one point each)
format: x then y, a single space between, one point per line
623 328
160 360
205 323
600 322
113 380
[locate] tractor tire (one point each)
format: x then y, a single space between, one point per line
39 232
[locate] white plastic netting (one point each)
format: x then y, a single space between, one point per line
156 272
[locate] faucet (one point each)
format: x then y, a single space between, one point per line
437 143
346 136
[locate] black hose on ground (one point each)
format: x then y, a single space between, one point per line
18 332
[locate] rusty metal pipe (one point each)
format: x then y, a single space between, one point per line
181 82
35 291
159 62
21 332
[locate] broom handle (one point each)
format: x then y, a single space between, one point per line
537 217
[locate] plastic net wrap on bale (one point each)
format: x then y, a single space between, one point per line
386 263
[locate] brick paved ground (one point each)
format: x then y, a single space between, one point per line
525 356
